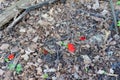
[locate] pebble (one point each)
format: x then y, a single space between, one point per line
4 46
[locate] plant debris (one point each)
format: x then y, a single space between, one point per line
67 40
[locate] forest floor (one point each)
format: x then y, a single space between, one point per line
72 41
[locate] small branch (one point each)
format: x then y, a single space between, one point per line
11 11
114 16
28 10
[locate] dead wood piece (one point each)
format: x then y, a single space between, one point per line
46 3
11 11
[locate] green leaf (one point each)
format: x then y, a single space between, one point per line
45 75
7 60
18 68
11 66
64 44
118 23
118 3
86 69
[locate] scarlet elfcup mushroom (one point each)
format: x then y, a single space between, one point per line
82 38
71 47
11 56
45 51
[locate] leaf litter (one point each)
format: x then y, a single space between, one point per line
44 43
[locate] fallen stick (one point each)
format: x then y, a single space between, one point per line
11 11
46 3
114 16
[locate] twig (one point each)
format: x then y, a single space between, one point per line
114 16
28 10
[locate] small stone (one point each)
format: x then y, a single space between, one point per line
1 72
4 46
